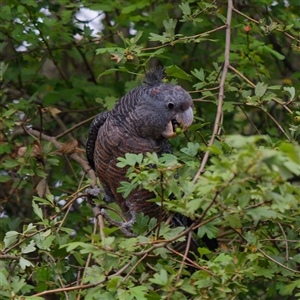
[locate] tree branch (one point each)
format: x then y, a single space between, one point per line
221 91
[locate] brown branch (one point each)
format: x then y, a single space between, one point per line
74 127
286 243
82 287
187 248
75 156
221 91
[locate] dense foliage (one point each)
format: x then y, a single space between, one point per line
238 166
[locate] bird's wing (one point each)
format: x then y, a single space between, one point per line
92 136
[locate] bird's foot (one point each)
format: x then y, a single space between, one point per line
94 192
125 227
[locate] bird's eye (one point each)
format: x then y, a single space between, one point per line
170 105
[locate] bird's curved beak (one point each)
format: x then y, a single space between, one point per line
184 119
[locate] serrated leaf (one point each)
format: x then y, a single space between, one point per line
10 238
139 292
209 229
185 7
199 74
177 72
234 220
29 248
191 149
223 258
30 228
110 50
259 213
126 188
3 281
291 91
228 106
159 38
24 263
260 89
37 210
160 278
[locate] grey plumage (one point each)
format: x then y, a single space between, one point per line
140 122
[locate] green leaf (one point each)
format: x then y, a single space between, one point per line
209 229
126 188
139 292
29 248
8 113
291 91
160 278
3 280
261 213
260 89
234 220
288 289
185 7
223 258
109 50
10 238
228 106
25 263
37 210
191 149
10 164
199 74
274 53
177 72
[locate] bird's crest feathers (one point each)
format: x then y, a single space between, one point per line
155 76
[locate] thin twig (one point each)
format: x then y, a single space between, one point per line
82 287
187 248
184 38
135 265
74 127
243 111
87 261
284 105
286 243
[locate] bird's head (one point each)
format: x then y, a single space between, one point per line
163 108
155 110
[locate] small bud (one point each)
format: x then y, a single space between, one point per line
247 28
297 119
